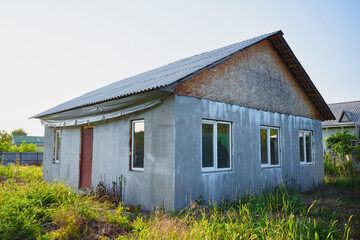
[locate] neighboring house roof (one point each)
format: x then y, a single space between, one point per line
346 113
347 116
181 70
29 139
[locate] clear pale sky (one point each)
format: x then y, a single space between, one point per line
53 51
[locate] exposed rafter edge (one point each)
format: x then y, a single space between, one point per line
325 115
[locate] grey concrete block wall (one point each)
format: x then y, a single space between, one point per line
67 169
172 173
111 147
154 186
51 171
247 173
70 155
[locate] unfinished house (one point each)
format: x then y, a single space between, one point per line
216 125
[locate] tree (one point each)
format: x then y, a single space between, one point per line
19 132
5 141
5 147
24 147
341 143
5 137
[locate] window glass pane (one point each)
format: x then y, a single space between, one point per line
207 145
263 141
308 146
274 146
223 145
58 139
301 144
138 145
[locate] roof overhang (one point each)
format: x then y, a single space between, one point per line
299 74
105 110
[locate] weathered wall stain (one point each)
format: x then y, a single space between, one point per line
256 78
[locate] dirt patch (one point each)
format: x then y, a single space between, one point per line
91 230
344 203
99 230
3 179
15 180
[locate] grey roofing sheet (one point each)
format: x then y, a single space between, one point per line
338 108
155 78
351 116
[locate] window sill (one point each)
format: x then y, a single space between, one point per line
137 170
56 162
307 163
267 167
217 171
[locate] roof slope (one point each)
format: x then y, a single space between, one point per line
153 79
338 109
177 71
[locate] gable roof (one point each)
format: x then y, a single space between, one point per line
346 113
181 70
347 116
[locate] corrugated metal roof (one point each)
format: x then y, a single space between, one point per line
338 108
154 79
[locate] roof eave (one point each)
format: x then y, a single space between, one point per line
299 74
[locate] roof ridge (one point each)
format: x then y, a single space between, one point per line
355 101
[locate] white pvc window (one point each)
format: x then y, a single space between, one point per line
137 145
269 146
57 146
215 145
305 146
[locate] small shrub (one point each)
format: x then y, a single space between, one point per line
118 217
67 220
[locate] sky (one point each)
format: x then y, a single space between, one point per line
53 51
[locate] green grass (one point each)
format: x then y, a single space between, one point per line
274 214
29 206
34 209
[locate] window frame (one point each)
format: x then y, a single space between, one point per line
268 164
304 162
57 148
133 122
215 148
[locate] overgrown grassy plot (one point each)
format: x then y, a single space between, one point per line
33 209
275 214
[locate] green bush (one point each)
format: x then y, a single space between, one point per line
340 143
